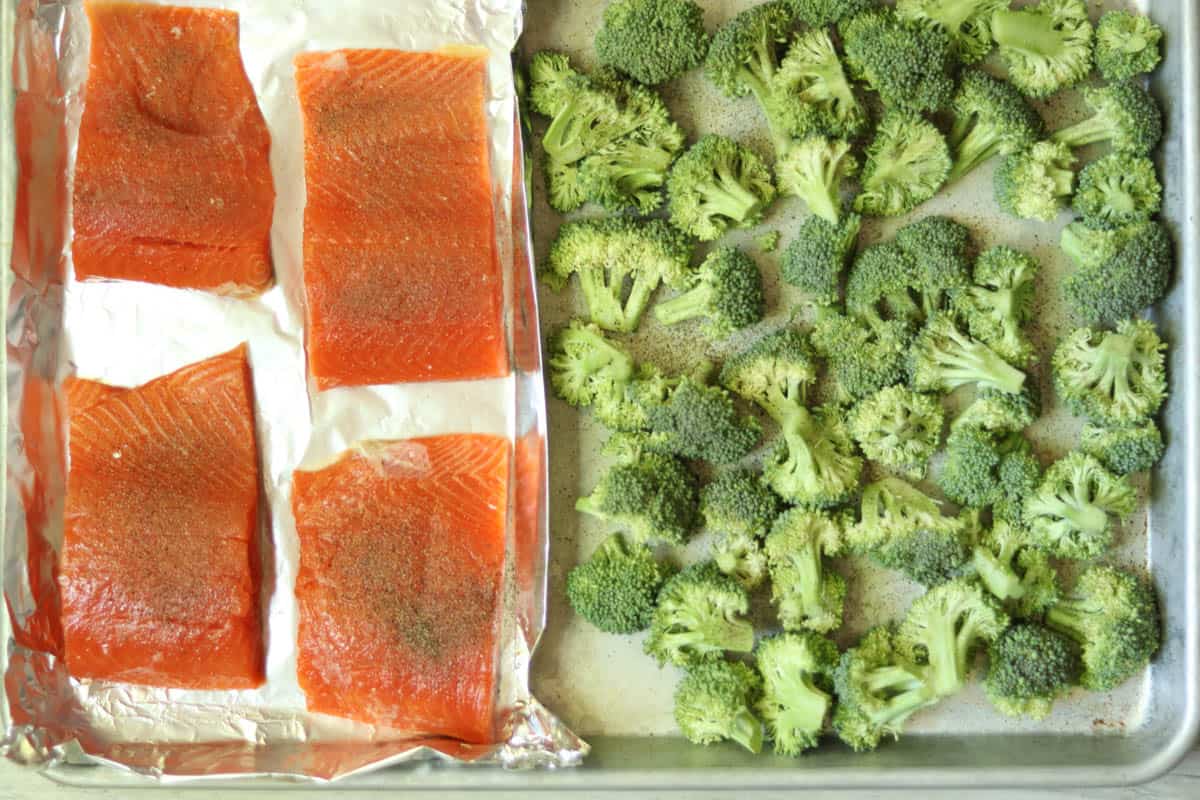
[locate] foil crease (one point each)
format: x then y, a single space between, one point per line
56 327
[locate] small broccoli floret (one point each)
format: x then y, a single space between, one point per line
1020 475
584 366
740 557
628 410
1127 44
715 702
1112 378
812 73
616 588
817 13
1123 114
653 497
775 373
1001 302
1001 412
881 285
726 290
768 242
898 428
718 184
906 163
738 502
940 248
815 259
797 671
1029 667
807 594
1090 247
813 170
1069 513
861 358
1014 570
813 462
1046 47
1113 615
990 118
911 65
943 358
1036 183
702 422
1135 448
1117 190
699 617
967 22
970 474
1128 282
627 175
652 40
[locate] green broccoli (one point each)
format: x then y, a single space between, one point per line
797 671
1001 302
814 170
881 285
726 290
1128 282
1123 114
990 118
768 242
1046 47
911 65
775 373
1090 247
1035 183
898 428
1113 615
738 502
616 588
967 22
718 184
815 259
653 497
818 13
941 249
861 358
1112 377
1069 513
701 422
585 367
715 701
741 557
652 40
1134 448
906 163
806 592
1020 474
970 474
626 408
1117 190
1127 45
812 73
620 263
1014 570
1001 412
1029 667
943 358
699 617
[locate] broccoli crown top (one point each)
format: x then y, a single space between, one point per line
1124 450
941 249
904 529
654 497
990 118
738 502
1117 190
970 473
1135 277
1035 183
880 284
1124 114
910 64
814 260
906 163
812 73
898 428
1046 47
1000 302
716 184
584 366
806 594
827 12
1090 247
1029 667
652 40
714 701
1112 377
698 617
943 358
701 422
1001 412
967 22
727 290
774 372
1019 474
862 358
616 588
1069 513
744 53
1127 44
797 669
813 169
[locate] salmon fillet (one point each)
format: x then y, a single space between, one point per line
172 180
159 569
401 273
401 556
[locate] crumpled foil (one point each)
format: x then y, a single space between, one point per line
127 333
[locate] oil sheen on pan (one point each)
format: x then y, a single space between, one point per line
172 181
401 271
160 555
401 559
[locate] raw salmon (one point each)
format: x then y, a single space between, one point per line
172 180
401 270
159 570
401 556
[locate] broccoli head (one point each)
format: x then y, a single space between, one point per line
1117 190
1001 412
652 40
967 22
1123 114
738 502
813 462
944 358
807 593
990 118
1029 667
1014 570
797 672
861 358
910 64
1127 45
1000 302
1020 475
718 184
970 474
1035 183
1112 377
626 410
898 428
740 557
941 250
818 13
715 701
1069 514
653 497
1124 450
775 373
906 163
1136 277
881 285
586 367
1046 47
815 259
812 73
726 290
699 617
616 588
814 169
701 422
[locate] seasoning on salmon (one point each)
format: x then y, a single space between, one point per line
401 556
401 270
159 570
172 180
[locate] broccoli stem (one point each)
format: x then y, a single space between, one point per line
602 291
1025 33
1069 618
689 305
1093 129
979 144
942 647
808 571
639 298
746 730
781 136
804 705
727 197
1084 516
977 362
997 576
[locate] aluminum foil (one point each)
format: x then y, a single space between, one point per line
127 333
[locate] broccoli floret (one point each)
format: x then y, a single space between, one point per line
797 671
652 40
990 118
627 411
906 163
898 428
740 557
941 249
815 259
1046 47
701 422
586 367
967 22
817 13
775 373
911 65
861 358
1113 615
627 174
620 263
768 242
812 73
944 358
1112 377
1029 667
970 474
1090 247
1127 44
1117 190
1001 412
718 184
1015 571
814 170
1020 475
616 588
726 290
1001 302
1135 448
813 463
653 497
1123 114
1128 282
738 502
715 702
807 594
699 617
881 284
1035 183
1069 513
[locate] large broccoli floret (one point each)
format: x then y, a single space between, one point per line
1001 302
812 73
1001 412
1123 114
906 163
1127 45
1029 667
941 250
1037 182
718 184
898 428
715 701
1113 615
797 671
652 40
616 588
1014 570
699 617
814 170
1117 190
1046 47
1128 282
970 474
702 422
806 592
818 13
990 118
967 22
1069 513
911 65
943 358
726 290
586 367
1112 377
1135 448
653 497
813 463
815 259
861 358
